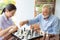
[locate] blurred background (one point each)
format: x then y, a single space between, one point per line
3 3
28 9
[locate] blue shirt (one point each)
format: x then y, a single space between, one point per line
50 26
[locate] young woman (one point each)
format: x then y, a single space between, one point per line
6 24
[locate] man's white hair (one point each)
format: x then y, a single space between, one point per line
49 6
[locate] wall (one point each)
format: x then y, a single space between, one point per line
57 9
25 10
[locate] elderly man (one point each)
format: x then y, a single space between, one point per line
48 23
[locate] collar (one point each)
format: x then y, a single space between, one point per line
47 18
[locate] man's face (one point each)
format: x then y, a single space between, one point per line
45 11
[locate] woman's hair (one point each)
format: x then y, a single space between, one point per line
9 7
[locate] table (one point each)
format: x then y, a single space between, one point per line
33 38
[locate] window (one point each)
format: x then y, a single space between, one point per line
40 3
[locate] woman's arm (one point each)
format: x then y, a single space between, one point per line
8 30
12 30
2 32
32 21
5 33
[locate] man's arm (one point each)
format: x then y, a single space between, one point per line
32 21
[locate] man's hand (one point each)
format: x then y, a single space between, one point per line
23 23
43 33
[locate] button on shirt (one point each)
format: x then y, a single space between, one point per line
50 26
5 23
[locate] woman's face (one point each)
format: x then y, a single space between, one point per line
10 13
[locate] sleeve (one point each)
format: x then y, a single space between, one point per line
59 26
34 20
12 22
1 23
55 26
1 38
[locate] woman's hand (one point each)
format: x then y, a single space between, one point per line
13 29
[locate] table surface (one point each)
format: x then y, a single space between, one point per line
27 34
28 39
